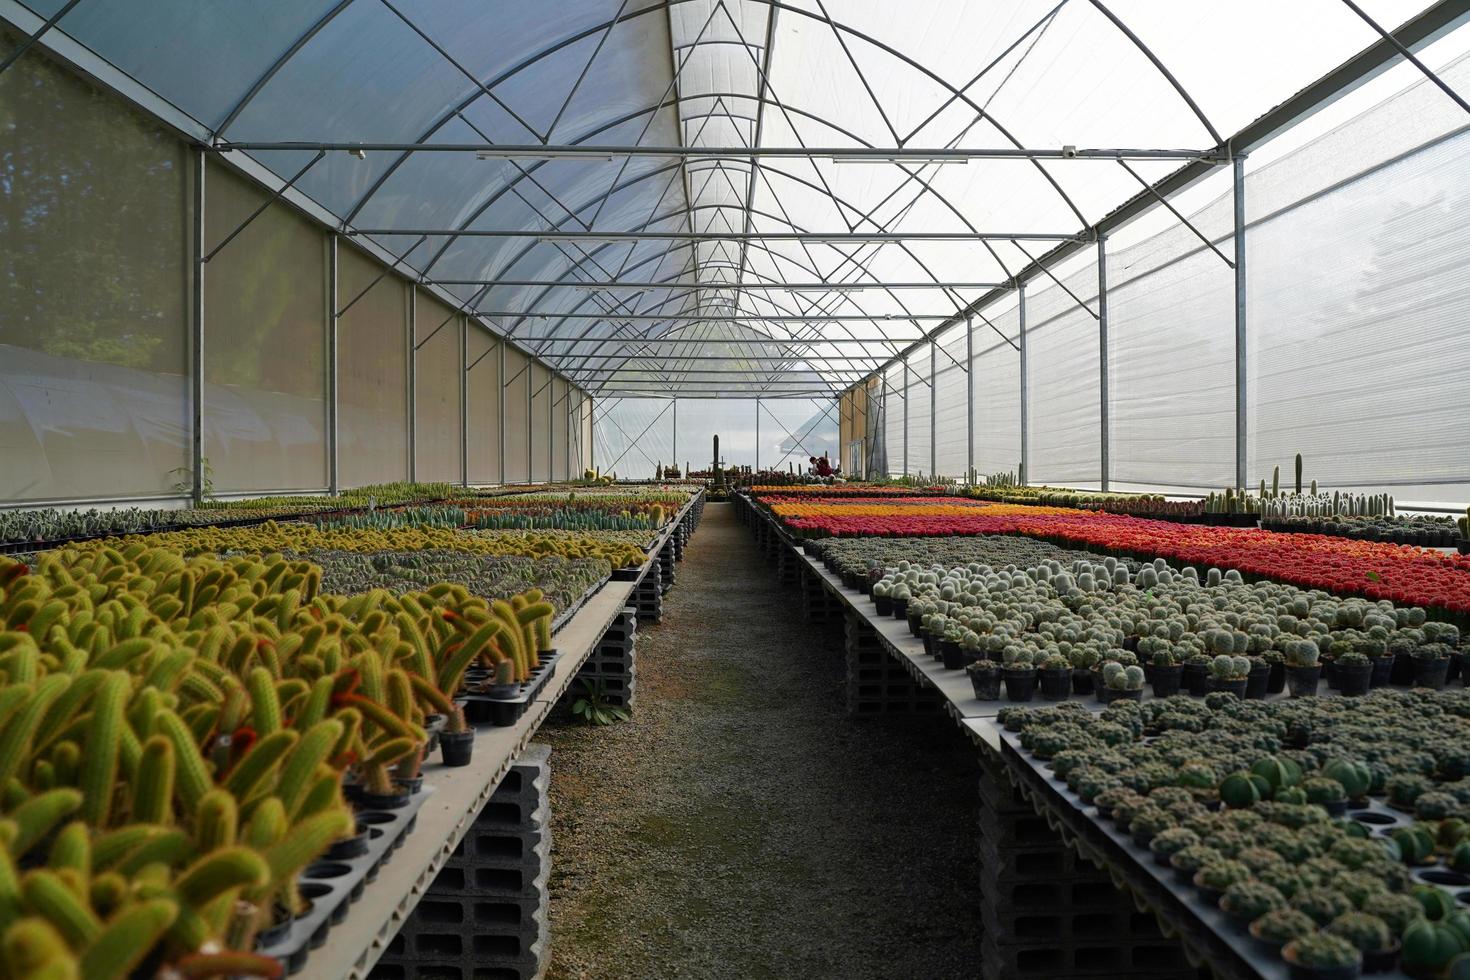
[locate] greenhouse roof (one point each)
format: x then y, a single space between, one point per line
726 196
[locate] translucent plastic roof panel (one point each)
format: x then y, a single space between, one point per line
738 263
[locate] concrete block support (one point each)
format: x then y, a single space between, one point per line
487 913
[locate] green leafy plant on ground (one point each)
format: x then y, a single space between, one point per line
595 706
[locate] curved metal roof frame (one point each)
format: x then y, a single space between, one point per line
742 178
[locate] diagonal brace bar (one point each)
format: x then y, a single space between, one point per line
268 202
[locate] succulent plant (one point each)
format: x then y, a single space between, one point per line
1366 931
1281 926
1322 951
1251 899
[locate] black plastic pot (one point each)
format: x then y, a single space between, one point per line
1166 680
1257 680
1276 681
1056 683
1081 680
950 652
883 605
1464 668
1381 960
928 639
986 685
1329 672
1382 671
1107 695
1431 673
381 801
1197 679
916 621
900 608
1236 688
1020 684
1354 681
1298 972
1403 669
1302 681
456 748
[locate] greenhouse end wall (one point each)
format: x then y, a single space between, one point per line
95 327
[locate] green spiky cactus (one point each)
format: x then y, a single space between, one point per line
34 949
191 771
309 754
153 786
99 762
45 894
127 938
35 818
254 773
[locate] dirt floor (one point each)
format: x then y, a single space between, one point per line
741 825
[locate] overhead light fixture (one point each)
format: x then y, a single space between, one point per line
536 155
358 152
920 161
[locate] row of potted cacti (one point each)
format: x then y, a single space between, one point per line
1283 815
619 548
1108 627
181 738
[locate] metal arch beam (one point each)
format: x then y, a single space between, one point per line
763 167
278 64
30 39
1162 70
1413 59
578 210
774 6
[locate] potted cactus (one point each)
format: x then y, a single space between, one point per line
1354 674
1229 674
1276 680
1278 927
1055 674
1322 956
1431 665
985 678
1246 901
1196 674
1120 683
1020 678
1216 877
949 645
1371 935
1082 661
882 594
1303 668
1168 673
1258 680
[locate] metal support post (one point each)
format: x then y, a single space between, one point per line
1240 323
757 434
1102 351
676 434
933 411
332 440
413 393
905 415
464 401
500 448
969 399
1025 475
196 341
530 424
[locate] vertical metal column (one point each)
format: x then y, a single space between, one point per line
1025 475
196 340
757 433
500 448
675 461
905 415
464 400
530 421
1240 299
413 379
1102 350
933 411
332 484
969 399
591 431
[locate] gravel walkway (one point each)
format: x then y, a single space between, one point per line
742 825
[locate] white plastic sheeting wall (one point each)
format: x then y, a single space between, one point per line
919 397
950 402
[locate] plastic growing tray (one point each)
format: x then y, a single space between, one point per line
485 709
334 883
1245 955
